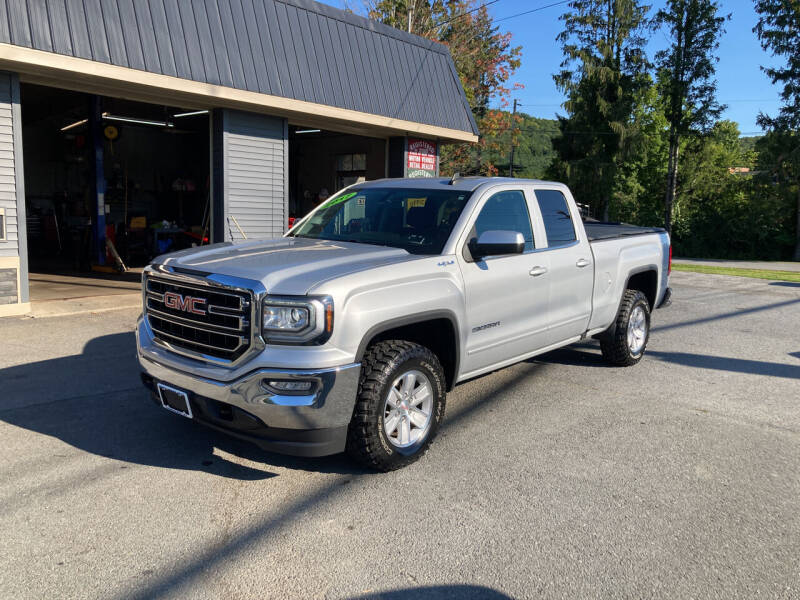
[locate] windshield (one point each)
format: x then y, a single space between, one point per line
417 220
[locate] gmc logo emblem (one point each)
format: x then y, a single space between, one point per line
196 306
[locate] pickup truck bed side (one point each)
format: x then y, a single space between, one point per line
597 231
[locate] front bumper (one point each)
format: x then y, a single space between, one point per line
313 424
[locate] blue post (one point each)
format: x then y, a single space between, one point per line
96 127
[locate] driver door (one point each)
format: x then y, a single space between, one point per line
507 296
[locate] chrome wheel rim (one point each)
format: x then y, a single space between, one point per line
408 409
637 330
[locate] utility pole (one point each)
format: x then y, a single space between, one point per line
513 126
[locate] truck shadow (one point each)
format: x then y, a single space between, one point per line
95 402
456 592
588 355
584 354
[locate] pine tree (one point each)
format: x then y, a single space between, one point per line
685 72
778 29
603 72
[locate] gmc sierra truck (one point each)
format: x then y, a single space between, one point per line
347 333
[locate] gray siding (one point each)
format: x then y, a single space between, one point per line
8 188
254 151
297 49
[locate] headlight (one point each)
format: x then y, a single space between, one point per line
297 320
286 318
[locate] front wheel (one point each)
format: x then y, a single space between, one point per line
400 405
626 345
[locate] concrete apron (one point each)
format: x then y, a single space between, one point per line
60 295
91 304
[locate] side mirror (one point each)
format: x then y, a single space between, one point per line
494 242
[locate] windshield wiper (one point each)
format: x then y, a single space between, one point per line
366 242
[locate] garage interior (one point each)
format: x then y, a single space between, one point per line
326 160
150 162
155 164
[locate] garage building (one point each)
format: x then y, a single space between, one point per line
162 124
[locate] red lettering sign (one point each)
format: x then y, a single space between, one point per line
422 156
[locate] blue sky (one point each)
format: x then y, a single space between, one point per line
741 84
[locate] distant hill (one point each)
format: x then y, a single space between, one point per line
535 150
748 144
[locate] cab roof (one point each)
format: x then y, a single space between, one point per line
469 183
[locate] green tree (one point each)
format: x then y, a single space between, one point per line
533 146
603 72
485 60
723 214
685 74
638 186
778 29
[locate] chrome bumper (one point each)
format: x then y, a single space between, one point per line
329 404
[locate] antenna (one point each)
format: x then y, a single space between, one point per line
453 179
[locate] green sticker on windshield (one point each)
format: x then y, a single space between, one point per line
339 200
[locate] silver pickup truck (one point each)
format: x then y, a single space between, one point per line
347 333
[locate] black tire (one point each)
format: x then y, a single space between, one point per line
383 363
614 344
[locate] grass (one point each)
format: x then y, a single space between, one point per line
754 273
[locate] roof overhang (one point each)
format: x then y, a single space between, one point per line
80 74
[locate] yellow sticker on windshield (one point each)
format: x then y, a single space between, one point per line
416 202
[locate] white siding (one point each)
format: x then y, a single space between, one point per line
8 189
255 175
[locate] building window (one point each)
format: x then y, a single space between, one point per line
351 162
350 169
2 224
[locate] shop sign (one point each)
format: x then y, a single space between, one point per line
421 161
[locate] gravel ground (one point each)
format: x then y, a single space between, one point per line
557 478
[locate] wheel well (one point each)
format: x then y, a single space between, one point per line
647 283
437 335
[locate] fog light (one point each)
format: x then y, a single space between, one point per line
288 385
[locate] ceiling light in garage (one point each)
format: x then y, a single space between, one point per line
110 117
190 114
75 124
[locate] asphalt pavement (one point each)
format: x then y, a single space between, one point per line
558 477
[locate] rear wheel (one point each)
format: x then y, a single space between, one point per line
625 346
400 404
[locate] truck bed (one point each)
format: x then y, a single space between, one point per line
599 231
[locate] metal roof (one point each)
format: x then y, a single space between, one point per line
296 49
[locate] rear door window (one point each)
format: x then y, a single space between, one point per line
556 217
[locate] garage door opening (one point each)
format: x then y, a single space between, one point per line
323 162
100 168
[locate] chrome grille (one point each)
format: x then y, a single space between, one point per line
219 326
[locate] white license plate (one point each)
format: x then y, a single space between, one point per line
174 400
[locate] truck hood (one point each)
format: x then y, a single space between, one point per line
290 266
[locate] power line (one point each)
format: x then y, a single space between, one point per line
464 14
527 12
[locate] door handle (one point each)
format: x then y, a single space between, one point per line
582 262
536 271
